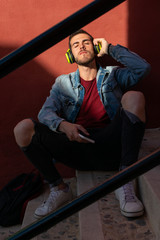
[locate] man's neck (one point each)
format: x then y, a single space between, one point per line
88 73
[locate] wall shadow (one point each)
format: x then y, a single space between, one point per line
144 38
23 93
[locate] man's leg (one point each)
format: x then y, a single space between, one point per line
28 137
133 126
41 145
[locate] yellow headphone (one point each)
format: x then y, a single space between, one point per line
70 57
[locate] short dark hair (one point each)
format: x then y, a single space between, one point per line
79 32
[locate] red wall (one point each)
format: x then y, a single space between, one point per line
24 91
144 38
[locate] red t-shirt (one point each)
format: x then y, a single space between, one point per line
92 113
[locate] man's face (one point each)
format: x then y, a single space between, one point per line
82 49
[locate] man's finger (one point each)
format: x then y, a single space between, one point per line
82 129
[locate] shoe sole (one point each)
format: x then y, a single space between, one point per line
40 216
132 214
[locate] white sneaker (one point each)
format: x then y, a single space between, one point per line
130 205
56 199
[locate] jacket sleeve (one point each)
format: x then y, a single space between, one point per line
48 114
135 67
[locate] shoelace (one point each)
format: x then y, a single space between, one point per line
129 192
52 197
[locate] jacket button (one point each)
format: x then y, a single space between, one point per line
80 88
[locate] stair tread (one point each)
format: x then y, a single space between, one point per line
149 183
114 225
90 221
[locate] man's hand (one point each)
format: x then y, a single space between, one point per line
104 43
72 131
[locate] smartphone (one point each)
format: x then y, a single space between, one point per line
86 138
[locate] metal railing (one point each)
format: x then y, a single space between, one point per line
89 197
33 49
55 34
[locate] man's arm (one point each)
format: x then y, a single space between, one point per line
49 116
135 67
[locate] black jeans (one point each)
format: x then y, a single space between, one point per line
116 145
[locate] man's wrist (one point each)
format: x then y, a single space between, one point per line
60 127
109 45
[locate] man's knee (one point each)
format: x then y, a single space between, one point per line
133 99
134 102
23 132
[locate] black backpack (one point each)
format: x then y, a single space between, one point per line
15 196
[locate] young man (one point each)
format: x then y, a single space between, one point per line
93 101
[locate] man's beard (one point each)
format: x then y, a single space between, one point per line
85 62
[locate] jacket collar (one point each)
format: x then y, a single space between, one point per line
76 79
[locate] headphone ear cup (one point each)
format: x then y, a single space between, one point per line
69 56
97 48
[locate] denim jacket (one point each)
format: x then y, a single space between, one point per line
66 95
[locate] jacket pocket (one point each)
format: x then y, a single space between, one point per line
67 101
68 105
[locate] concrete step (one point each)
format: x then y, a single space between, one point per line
6 232
103 220
149 183
89 218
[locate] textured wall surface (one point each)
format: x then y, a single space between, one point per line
24 90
